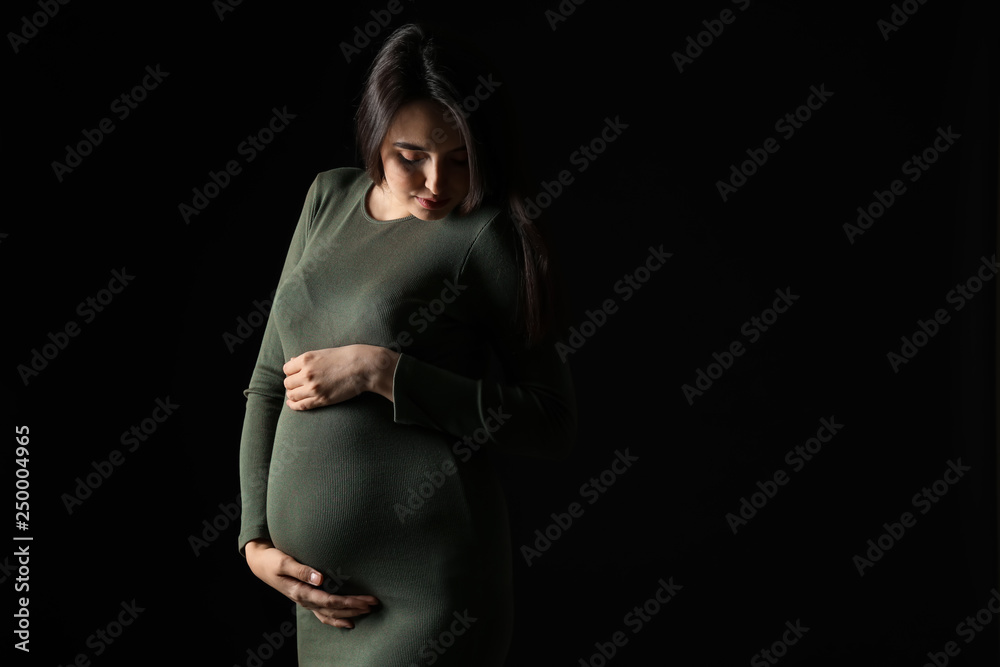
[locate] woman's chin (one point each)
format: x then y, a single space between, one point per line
425 214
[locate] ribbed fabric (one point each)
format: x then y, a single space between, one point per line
393 499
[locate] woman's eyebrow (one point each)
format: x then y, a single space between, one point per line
414 147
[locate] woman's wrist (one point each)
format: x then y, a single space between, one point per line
381 367
260 542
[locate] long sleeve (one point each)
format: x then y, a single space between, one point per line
530 409
265 398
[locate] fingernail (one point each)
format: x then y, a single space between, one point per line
314 578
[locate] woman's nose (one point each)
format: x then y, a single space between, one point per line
433 179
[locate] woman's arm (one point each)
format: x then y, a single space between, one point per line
265 397
531 411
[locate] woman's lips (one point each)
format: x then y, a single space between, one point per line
431 204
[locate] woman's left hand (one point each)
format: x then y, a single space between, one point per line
334 374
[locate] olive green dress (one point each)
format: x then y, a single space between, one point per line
397 499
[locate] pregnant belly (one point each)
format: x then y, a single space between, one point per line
355 495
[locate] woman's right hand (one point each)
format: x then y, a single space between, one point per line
299 583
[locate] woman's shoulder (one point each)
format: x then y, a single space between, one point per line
340 182
333 192
489 221
489 236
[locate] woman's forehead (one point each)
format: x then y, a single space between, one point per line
425 125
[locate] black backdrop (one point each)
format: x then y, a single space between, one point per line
136 543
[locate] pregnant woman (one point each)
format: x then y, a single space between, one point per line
409 333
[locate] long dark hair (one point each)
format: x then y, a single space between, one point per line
420 62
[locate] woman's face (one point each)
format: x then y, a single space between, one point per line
426 164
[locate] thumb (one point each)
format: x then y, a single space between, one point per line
310 575
296 570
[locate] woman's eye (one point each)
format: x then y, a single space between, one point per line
404 160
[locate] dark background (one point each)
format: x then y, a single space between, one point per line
163 335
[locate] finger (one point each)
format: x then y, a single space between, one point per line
309 578
370 599
290 567
335 622
296 393
304 404
294 380
302 389
292 365
333 606
338 605
354 601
